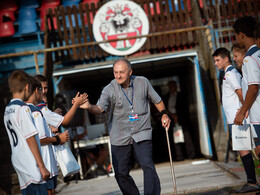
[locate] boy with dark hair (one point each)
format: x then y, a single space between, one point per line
223 53
53 118
44 84
244 32
23 136
244 26
232 98
45 135
231 90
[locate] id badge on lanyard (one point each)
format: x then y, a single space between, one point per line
133 117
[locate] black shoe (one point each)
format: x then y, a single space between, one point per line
248 188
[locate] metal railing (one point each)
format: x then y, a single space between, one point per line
35 52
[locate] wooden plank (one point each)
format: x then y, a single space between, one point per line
249 7
163 23
60 36
147 45
65 30
181 21
169 23
72 34
190 37
151 23
77 27
47 44
243 7
206 15
175 19
90 33
256 9
99 4
157 25
236 8
84 34
212 11
230 10
53 34
99 50
223 13
48 62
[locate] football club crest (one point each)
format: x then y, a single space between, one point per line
120 19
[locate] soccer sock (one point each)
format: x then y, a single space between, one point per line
249 167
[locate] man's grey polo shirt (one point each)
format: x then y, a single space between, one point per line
112 98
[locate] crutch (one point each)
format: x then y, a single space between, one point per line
170 155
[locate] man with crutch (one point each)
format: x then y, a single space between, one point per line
127 100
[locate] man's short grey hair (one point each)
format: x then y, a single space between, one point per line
124 61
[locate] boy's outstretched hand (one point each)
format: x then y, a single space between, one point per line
80 99
85 105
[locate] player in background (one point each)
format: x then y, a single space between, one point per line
232 98
23 136
244 32
239 53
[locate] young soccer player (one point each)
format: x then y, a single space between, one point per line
239 53
231 90
23 136
232 98
244 32
53 118
46 138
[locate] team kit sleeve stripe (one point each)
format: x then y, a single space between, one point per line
42 137
31 134
59 122
253 82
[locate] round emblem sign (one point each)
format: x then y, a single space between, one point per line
120 19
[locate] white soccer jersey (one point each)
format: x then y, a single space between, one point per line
47 150
230 100
51 118
19 126
251 76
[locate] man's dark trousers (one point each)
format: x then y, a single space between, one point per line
121 156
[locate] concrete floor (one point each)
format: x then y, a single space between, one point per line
193 177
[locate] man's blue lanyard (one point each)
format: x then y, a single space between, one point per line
131 103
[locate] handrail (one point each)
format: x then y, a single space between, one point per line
35 52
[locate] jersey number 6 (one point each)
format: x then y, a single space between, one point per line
13 134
